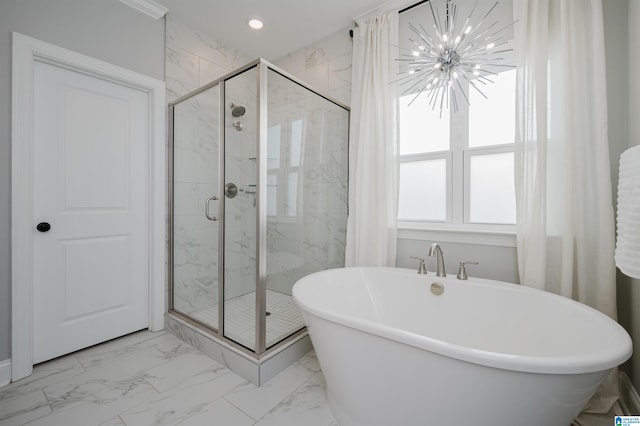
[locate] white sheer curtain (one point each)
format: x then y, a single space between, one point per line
373 174
565 226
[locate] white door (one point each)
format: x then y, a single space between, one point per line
91 186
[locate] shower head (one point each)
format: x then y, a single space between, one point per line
237 111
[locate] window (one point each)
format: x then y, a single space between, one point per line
284 150
458 168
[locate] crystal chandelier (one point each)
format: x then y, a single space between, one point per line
452 52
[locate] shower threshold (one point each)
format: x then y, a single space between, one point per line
232 351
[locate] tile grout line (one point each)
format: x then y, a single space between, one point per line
290 393
236 407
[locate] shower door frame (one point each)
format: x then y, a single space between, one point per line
262 66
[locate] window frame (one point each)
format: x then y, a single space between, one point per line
457 227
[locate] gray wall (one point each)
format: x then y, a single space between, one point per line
104 29
629 103
494 262
622 38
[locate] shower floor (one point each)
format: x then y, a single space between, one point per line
240 318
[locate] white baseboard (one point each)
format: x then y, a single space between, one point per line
5 372
629 399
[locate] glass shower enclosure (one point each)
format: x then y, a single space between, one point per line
259 168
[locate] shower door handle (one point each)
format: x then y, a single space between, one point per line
206 208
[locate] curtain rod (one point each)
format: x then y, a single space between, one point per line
400 11
412 6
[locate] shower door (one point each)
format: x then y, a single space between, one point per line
196 206
240 203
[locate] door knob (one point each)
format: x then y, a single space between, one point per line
43 226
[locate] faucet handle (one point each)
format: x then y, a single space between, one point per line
462 272
422 270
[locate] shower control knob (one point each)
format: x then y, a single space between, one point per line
43 226
231 190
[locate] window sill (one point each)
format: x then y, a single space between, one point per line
486 235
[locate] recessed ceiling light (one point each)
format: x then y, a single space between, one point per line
255 23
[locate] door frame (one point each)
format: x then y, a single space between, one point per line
26 52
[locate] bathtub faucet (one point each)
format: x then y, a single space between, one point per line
436 251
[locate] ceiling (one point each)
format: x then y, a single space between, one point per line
288 24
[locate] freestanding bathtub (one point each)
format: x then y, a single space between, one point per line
398 348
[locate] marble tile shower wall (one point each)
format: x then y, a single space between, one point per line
318 236
306 232
324 65
193 60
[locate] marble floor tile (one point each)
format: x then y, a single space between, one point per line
310 362
179 370
220 412
120 373
43 375
156 379
24 408
256 401
587 419
173 347
116 421
113 350
149 379
306 406
97 408
187 399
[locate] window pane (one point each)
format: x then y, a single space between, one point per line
272 195
296 143
421 128
273 147
491 189
492 121
292 194
423 190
